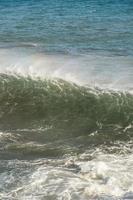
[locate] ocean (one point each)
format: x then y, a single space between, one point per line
66 100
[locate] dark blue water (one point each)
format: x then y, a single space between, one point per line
69 26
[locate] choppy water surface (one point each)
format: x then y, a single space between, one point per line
66 100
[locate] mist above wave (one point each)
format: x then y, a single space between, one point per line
104 71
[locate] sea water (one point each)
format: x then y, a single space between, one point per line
66 99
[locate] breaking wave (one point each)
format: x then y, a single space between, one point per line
30 103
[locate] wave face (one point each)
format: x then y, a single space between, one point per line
24 100
46 110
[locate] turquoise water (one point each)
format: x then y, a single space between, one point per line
66 100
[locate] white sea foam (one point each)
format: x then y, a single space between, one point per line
105 176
